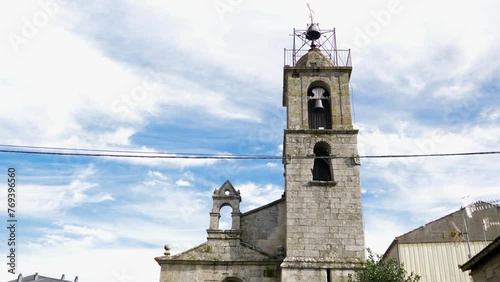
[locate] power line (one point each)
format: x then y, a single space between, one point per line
432 155
164 155
158 156
103 150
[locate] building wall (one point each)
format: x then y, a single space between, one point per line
324 219
297 83
489 271
265 228
217 272
436 262
435 249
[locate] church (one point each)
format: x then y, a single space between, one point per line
315 231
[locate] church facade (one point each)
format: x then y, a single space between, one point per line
315 231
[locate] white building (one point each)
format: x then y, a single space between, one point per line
435 250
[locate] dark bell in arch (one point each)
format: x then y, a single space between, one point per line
313 32
318 106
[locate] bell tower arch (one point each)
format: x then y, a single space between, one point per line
226 195
319 112
324 223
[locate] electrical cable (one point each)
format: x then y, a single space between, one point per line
163 155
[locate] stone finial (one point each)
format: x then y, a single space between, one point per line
76 279
20 278
63 276
167 250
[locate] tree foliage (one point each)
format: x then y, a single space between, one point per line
376 269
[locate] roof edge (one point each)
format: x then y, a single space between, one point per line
482 255
264 206
394 242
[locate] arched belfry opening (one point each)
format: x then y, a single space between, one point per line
318 106
322 168
225 219
225 197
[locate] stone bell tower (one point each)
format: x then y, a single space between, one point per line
324 223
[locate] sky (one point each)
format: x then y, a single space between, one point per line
205 77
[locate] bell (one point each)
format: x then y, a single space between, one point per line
318 106
313 32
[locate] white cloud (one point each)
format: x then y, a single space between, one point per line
455 89
95 107
67 94
45 200
186 95
169 201
280 148
426 188
157 174
254 195
271 165
381 228
490 114
103 235
217 50
416 48
70 236
174 162
182 183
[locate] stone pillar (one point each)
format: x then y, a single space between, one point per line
236 215
214 220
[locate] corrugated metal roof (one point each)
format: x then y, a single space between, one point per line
432 231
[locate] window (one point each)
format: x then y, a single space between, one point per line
322 166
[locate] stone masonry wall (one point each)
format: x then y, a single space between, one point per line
265 227
218 259
316 275
216 272
324 218
297 83
325 237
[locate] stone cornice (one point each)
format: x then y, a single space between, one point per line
321 131
291 262
167 260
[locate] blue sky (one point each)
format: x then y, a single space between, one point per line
206 77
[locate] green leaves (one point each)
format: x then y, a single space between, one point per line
377 269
